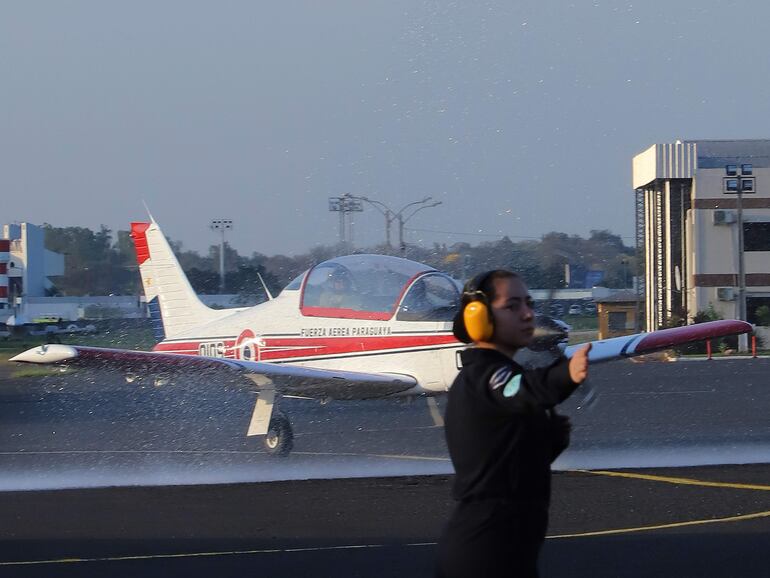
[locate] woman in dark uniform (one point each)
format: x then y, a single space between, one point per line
502 434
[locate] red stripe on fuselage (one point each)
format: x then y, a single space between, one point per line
341 313
291 347
138 231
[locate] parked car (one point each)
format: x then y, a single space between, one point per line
74 328
589 308
43 330
575 309
556 309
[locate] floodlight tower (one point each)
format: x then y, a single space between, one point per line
343 205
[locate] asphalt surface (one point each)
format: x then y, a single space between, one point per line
601 526
163 481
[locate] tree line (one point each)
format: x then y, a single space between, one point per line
103 263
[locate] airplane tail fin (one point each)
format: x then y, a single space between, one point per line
173 305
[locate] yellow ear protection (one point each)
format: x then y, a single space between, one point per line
476 321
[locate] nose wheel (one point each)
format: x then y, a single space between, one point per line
279 439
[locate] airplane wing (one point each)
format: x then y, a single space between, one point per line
643 343
286 379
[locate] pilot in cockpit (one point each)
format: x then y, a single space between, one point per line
338 291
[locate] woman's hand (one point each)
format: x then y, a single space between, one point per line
578 365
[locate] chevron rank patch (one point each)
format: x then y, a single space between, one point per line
500 377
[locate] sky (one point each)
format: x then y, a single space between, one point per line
520 117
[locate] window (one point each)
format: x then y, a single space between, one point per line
756 236
758 310
431 298
747 185
617 321
731 185
747 170
358 286
731 170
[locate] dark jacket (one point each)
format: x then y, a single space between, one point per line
500 430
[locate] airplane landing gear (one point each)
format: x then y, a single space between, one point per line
279 439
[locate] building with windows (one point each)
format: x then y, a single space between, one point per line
25 267
697 203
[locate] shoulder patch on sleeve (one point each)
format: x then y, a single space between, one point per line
512 387
500 377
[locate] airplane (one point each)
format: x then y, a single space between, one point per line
350 328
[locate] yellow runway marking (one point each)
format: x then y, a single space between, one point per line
617 531
744 517
381 456
740 518
205 554
681 481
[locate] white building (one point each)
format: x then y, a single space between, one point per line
26 266
687 215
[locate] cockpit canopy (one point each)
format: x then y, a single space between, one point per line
376 287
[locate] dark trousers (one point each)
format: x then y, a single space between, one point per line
491 538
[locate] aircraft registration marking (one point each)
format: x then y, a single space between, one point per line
212 349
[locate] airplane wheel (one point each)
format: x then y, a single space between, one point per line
279 439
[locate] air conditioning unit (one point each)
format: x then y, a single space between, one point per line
726 293
724 217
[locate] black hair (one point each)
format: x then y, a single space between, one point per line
487 282
483 283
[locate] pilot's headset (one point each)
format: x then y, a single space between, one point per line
474 321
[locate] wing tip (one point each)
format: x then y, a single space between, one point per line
51 353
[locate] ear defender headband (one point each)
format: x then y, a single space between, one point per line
474 321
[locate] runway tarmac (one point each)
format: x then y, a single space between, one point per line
704 522
86 430
367 488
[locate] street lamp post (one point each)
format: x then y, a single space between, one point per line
743 341
402 220
624 262
387 213
221 225
391 216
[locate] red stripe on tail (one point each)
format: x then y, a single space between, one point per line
140 241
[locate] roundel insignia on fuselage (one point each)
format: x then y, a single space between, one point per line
245 346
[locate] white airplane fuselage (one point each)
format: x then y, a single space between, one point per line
276 332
